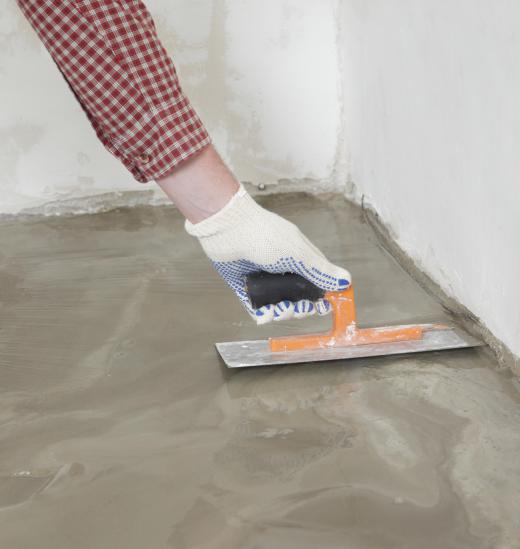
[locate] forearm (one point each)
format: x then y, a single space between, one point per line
200 186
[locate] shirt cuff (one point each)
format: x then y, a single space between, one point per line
164 139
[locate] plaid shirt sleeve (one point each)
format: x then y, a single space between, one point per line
110 55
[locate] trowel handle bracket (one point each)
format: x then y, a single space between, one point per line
345 332
343 310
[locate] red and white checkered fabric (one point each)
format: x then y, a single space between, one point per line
110 55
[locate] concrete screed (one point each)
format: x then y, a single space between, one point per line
120 427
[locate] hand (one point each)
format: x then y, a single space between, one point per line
243 238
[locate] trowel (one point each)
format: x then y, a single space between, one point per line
345 340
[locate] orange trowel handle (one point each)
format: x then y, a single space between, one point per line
343 325
343 310
344 331
264 288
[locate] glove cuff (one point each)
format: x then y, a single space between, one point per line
240 207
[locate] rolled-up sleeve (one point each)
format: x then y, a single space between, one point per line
112 59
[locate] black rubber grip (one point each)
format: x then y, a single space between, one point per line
266 288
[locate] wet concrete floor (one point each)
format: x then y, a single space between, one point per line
121 428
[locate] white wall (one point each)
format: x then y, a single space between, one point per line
432 128
262 73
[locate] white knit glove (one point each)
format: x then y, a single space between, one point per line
244 238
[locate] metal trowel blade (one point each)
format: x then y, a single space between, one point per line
245 354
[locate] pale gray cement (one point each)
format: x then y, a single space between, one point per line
120 427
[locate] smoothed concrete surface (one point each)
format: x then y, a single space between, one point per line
120 427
